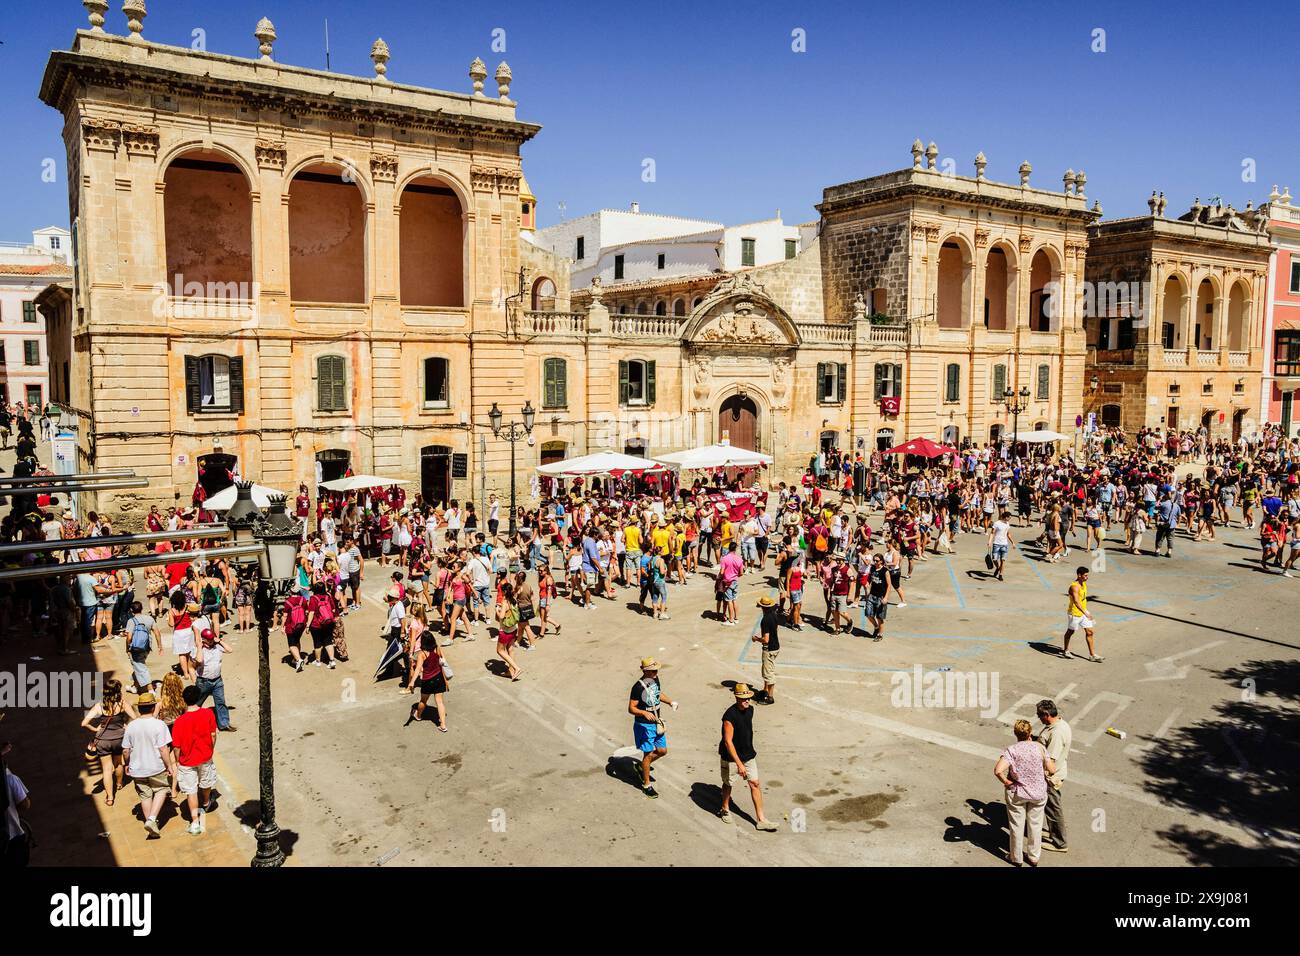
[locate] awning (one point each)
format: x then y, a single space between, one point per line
360 482
1043 435
224 499
722 455
601 463
923 447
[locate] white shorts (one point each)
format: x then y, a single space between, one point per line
751 768
1074 622
190 779
183 641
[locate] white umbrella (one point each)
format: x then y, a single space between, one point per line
224 499
722 455
1039 436
359 482
601 463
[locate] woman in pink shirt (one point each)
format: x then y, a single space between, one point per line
1022 770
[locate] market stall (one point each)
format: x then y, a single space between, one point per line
725 461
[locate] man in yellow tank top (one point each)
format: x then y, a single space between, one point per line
1077 617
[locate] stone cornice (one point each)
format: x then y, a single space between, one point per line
69 71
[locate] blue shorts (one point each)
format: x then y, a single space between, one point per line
484 596
729 592
1000 552
796 597
647 737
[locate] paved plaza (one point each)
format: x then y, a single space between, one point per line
1200 674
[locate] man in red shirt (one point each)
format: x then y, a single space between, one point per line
194 739
841 582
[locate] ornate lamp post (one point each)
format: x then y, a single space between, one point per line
512 432
1016 403
274 566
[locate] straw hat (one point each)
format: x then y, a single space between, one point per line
649 664
766 601
742 692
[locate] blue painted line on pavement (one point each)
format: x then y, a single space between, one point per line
961 600
1042 580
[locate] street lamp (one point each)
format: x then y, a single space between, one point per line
274 567
512 432
1016 403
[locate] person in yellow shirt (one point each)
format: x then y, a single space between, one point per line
1077 618
727 530
659 537
631 550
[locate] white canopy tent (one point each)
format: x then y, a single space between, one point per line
224 499
600 463
1039 436
722 455
360 483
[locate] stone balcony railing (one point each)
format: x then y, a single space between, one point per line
553 323
1175 358
646 326
1238 359
1207 358
819 333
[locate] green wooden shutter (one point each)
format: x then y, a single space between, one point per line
898 381
192 397
821 382
623 388
841 382
650 383
237 386
561 383
879 391
1044 382
331 384
548 383
340 384
999 382
954 383
324 391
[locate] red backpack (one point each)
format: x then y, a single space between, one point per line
324 611
296 618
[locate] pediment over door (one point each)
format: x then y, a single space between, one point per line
738 312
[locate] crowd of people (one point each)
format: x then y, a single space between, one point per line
856 525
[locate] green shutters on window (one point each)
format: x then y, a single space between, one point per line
746 252
650 383
31 352
555 383
821 383
952 389
1044 382
624 389
841 382
999 382
878 392
237 386
29 311
331 384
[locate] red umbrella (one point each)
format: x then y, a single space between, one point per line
923 447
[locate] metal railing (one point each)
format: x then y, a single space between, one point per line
131 561
113 540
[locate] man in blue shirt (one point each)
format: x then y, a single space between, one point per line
590 567
1167 512
88 600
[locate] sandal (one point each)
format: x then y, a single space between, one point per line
443 729
518 674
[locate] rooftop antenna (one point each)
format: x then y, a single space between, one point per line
563 206
327 44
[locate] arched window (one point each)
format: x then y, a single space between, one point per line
331 383
695 303
1237 306
661 307
1205 316
951 298
1044 305
642 308
555 383
1112 415
543 294
432 245
208 227
327 236
679 307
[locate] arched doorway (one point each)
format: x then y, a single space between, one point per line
332 463
738 422
543 298
216 471
435 474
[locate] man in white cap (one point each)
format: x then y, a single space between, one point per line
737 748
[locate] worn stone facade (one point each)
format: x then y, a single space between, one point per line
1176 335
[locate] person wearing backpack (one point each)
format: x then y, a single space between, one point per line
295 623
142 633
320 621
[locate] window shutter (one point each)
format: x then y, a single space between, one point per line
340 383
650 383
237 386
821 382
898 382
841 380
879 391
548 383
954 383
192 397
1044 381
999 382
323 383
561 383
623 388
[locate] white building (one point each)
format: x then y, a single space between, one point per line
26 269
631 246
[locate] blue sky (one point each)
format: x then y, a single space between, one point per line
739 125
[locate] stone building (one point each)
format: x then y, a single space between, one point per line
283 271
1176 335
26 269
970 288
1280 381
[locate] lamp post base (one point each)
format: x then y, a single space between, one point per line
269 853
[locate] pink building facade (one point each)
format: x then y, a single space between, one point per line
1281 379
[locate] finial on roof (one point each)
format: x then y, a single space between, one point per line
96 9
918 150
265 36
1285 199
1160 206
931 155
981 163
1025 170
1274 194
1096 206
1080 180
478 73
1068 181
380 56
135 14
1153 202
503 78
